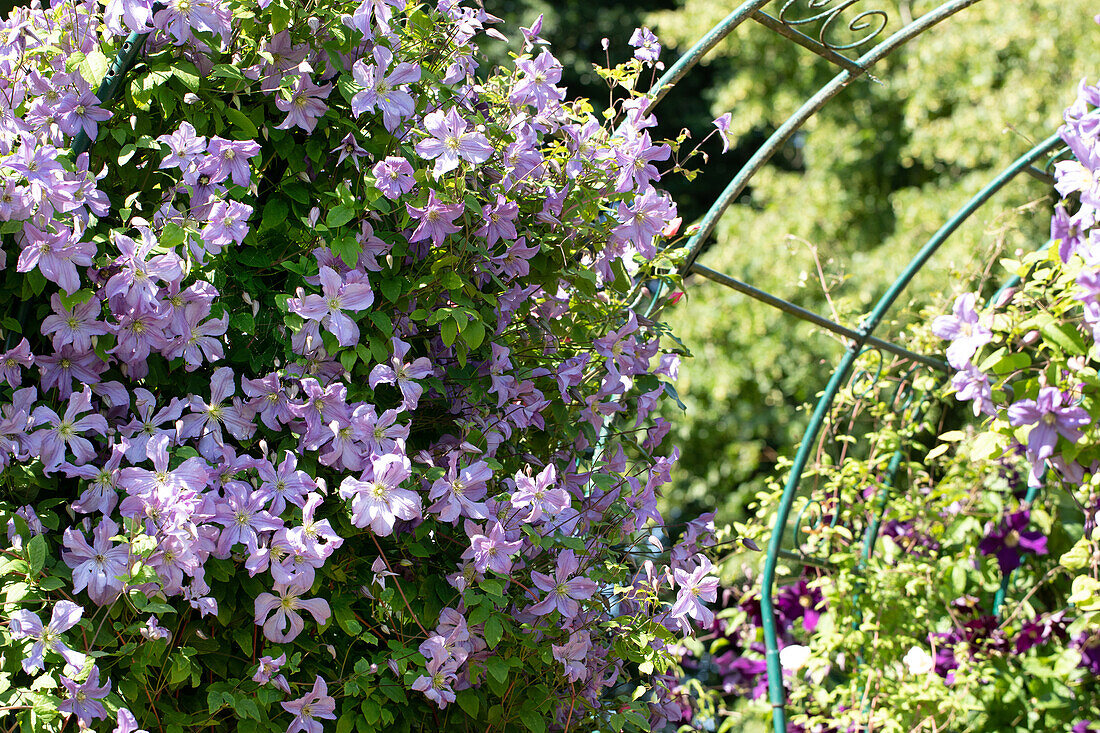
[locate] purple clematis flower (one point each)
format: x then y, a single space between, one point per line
99 567
963 330
402 373
268 672
384 91
285 624
972 384
723 126
1052 416
563 590
393 177
1010 539
646 46
61 432
493 551
329 308
451 141
696 587
26 625
539 494
377 498
1071 230
436 219
315 704
84 698
304 106
75 326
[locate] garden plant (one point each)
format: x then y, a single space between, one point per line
328 399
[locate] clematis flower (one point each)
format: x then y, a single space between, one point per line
285 624
450 141
563 590
1010 539
402 373
436 220
696 588
328 309
25 625
99 567
307 709
723 126
646 46
377 498
393 176
303 105
493 551
1051 416
84 698
539 494
61 432
963 330
268 672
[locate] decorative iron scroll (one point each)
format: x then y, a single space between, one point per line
866 25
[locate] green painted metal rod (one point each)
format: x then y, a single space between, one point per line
804 113
806 42
824 404
112 82
814 318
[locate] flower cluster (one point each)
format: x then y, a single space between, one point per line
323 356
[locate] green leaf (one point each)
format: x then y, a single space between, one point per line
474 334
469 701
534 720
494 631
348 357
498 668
339 216
451 280
449 330
94 67
187 73
242 122
36 554
275 212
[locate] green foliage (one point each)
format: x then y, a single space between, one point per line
878 170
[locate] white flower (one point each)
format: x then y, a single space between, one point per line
918 661
794 657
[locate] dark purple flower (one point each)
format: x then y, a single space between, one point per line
1010 539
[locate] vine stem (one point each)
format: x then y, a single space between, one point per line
398 584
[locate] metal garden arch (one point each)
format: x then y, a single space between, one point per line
867 24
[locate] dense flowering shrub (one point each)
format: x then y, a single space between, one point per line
323 394
975 605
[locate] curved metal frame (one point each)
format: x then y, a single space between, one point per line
862 336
